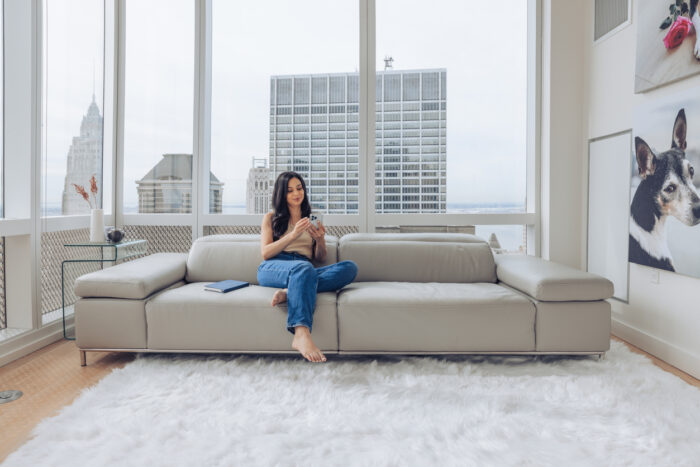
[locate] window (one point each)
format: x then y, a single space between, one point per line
263 71
478 141
73 106
510 238
158 106
2 144
3 310
72 153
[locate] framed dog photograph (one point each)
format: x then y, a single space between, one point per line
665 208
668 48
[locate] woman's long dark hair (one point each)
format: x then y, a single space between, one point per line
280 219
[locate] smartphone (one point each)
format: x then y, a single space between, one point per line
315 218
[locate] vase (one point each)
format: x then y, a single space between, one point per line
97 225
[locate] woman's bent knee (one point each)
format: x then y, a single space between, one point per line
304 267
351 269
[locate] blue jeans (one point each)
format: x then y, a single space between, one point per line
296 273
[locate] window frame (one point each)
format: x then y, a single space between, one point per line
23 142
367 218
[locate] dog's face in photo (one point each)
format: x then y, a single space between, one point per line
668 177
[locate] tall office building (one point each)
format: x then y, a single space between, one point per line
259 188
84 160
167 187
314 131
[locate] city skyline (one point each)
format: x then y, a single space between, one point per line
88 144
486 143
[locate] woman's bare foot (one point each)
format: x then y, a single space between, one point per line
303 343
279 297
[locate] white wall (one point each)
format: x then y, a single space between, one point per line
662 318
563 139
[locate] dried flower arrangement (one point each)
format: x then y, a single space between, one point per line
93 189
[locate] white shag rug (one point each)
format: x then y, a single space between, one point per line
224 410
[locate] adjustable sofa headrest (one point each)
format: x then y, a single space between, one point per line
219 257
434 257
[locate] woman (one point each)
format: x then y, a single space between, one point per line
289 241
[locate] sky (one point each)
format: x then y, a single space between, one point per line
485 61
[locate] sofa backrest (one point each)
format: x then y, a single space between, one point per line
430 257
216 258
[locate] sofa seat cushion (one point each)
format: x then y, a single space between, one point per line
434 317
191 318
136 279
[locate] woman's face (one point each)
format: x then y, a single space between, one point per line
295 193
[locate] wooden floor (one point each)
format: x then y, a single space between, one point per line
52 378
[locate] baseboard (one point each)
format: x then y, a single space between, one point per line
669 353
24 344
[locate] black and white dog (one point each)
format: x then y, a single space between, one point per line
666 190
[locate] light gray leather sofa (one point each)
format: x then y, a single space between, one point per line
414 294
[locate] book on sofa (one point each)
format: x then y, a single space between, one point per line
226 286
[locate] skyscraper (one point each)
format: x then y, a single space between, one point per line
314 131
167 187
258 188
84 160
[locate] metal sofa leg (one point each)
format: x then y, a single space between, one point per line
601 356
83 358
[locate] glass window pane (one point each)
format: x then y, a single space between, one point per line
301 91
505 238
285 106
72 147
73 107
2 125
411 89
337 90
481 135
392 88
320 87
158 106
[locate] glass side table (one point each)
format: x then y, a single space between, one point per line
108 253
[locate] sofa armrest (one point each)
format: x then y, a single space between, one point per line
135 279
548 281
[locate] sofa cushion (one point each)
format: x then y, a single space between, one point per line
191 318
413 237
112 323
214 258
448 258
135 279
573 326
434 317
105 323
549 281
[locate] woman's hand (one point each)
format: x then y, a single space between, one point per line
319 237
319 233
302 226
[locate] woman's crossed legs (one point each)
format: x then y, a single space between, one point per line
300 282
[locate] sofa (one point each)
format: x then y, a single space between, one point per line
437 293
